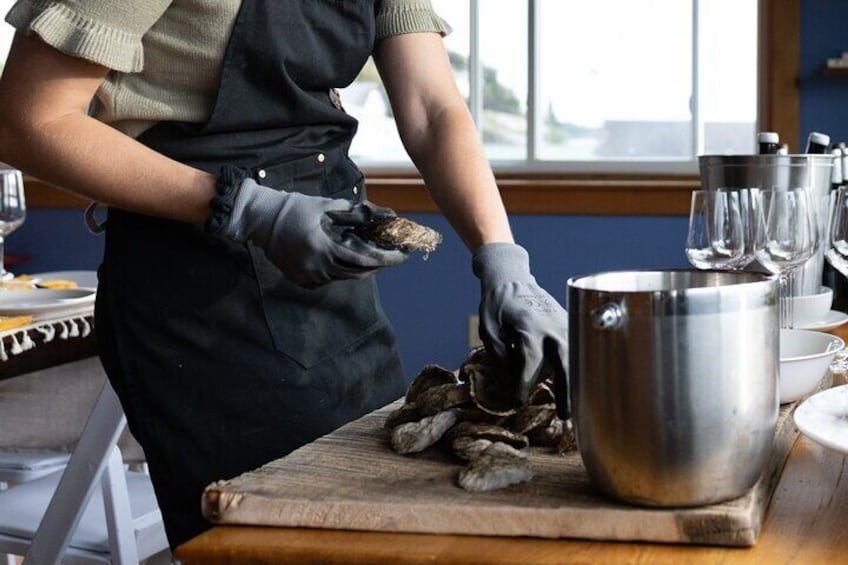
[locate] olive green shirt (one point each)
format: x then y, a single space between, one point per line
166 55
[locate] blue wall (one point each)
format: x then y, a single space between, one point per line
824 99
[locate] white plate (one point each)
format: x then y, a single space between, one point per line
42 301
85 279
823 418
833 320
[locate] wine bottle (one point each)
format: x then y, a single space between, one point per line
817 143
768 142
836 173
830 276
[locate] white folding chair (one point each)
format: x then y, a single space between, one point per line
64 516
27 466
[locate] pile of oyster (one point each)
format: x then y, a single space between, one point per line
472 413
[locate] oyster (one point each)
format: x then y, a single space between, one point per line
413 437
558 435
492 389
405 414
467 447
428 377
442 397
532 416
497 466
542 393
401 233
490 432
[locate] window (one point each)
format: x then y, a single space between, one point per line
575 86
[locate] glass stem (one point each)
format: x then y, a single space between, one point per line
781 300
2 263
790 304
784 295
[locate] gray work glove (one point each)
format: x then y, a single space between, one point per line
310 239
521 324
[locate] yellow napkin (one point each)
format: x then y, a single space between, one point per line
27 282
9 322
55 284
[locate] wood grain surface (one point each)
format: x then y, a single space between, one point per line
805 525
350 479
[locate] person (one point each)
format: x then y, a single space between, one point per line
237 316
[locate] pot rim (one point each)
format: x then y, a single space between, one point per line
745 279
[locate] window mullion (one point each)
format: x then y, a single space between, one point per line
475 67
533 122
695 102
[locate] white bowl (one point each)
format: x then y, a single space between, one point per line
811 308
804 359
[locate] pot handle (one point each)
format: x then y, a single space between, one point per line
610 316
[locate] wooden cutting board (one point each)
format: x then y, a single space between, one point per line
351 479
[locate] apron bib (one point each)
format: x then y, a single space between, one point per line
222 364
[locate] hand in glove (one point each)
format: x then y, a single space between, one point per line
520 323
310 238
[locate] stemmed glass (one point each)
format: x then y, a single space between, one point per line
716 237
12 209
836 251
787 239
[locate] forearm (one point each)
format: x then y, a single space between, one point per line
81 155
440 137
455 169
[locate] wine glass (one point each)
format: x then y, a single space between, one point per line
787 239
750 207
12 209
836 250
716 237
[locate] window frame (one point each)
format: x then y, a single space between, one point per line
545 191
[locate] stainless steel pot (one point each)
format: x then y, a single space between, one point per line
673 382
781 172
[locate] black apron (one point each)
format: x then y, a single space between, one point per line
221 364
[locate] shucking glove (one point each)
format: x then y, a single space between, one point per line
311 239
523 326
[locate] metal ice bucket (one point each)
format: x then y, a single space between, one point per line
673 382
781 172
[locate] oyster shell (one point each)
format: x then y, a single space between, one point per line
403 234
558 435
490 432
428 377
413 437
532 416
442 397
496 467
493 390
542 393
405 414
467 447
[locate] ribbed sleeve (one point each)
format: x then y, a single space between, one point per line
107 33
409 16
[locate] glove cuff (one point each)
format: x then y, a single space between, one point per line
501 262
226 189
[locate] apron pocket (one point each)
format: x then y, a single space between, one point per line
305 174
311 325
330 174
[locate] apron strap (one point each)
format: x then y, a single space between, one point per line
92 223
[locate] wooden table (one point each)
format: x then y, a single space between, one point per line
807 522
